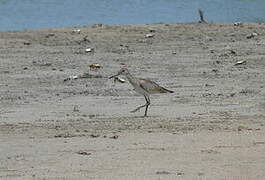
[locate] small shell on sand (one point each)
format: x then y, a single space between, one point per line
76 31
89 50
73 77
238 24
251 35
240 62
149 35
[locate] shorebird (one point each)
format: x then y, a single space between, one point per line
142 86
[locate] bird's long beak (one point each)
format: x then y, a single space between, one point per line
113 76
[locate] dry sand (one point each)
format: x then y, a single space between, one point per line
212 127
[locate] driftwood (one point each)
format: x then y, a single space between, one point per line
201 16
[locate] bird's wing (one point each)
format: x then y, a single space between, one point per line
147 84
151 86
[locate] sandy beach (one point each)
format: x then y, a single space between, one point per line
54 125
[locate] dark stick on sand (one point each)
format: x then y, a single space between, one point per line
201 16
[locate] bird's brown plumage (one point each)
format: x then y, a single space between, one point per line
152 87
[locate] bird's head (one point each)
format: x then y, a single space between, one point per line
123 71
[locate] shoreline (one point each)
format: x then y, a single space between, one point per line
136 25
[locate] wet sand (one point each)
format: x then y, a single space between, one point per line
212 127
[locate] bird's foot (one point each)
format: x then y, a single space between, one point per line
138 108
135 110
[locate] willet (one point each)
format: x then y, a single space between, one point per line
142 86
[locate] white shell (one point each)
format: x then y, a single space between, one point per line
251 35
89 50
237 23
149 35
240 62
76 31
73 77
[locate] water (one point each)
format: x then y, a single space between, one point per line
35 14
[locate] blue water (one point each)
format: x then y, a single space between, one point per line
35 14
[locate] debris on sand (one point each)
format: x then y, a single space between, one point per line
87 75
71 77
243 62
114 137
27 43
85 153
75 109
78 31
150 35
66 135
209 85
94 135
238 24
41 63
232 52
89 50
95 66
215 70
180 173
84 75
163 172
50 35
252 35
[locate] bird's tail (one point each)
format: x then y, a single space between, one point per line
166 90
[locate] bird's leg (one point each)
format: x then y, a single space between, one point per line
146 105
